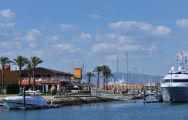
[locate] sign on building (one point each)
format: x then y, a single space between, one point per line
78 73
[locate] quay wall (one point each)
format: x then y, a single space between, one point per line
51 100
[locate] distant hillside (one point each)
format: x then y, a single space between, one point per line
132 78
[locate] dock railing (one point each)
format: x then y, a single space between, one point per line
108 94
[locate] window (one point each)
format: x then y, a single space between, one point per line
176 80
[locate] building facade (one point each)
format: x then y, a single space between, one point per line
45 78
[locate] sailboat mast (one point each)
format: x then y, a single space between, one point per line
127 66
117 68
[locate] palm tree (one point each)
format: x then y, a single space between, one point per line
28 68
89 75
3 62
98 69
34 62
106 71
20 61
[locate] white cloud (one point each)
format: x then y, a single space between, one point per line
65 48
32 45
18 45
55 37
95 16
85 36
130 25
111 57
113 37
137 26
7 14
67 27
4 45
115 48
182 23
151 50
7 26
32 35
162 30
130 48
102 47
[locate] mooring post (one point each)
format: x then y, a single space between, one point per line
144 96
23 96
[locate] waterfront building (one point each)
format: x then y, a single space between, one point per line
46 78
10 80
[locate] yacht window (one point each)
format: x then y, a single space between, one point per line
176 80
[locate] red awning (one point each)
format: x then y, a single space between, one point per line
39 81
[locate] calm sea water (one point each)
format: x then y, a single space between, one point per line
103 111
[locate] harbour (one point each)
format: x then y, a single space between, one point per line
101 111
93 60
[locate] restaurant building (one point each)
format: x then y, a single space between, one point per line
45 78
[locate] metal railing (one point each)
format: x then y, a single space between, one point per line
108 94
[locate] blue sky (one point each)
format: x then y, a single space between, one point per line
95 32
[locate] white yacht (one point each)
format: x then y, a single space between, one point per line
32 99
174 88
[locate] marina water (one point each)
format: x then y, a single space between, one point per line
103 111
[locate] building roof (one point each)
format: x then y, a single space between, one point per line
42 70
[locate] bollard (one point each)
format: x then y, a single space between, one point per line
144 96
23 96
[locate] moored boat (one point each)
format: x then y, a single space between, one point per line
32 99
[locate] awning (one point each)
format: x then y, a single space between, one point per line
39 81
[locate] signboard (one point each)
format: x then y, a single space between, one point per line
78 73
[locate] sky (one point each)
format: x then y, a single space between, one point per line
89 33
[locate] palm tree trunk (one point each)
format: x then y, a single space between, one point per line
33 79
29 77
20 77
2 87
89 83
104 83
98 81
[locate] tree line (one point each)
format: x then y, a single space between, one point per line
21 61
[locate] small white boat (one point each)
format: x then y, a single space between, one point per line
32 99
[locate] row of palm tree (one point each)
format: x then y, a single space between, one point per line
106 72
21 62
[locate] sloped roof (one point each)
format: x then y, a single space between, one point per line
42 70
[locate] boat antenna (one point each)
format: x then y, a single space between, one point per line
181 59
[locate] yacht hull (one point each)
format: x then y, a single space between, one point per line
175 94
30 101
